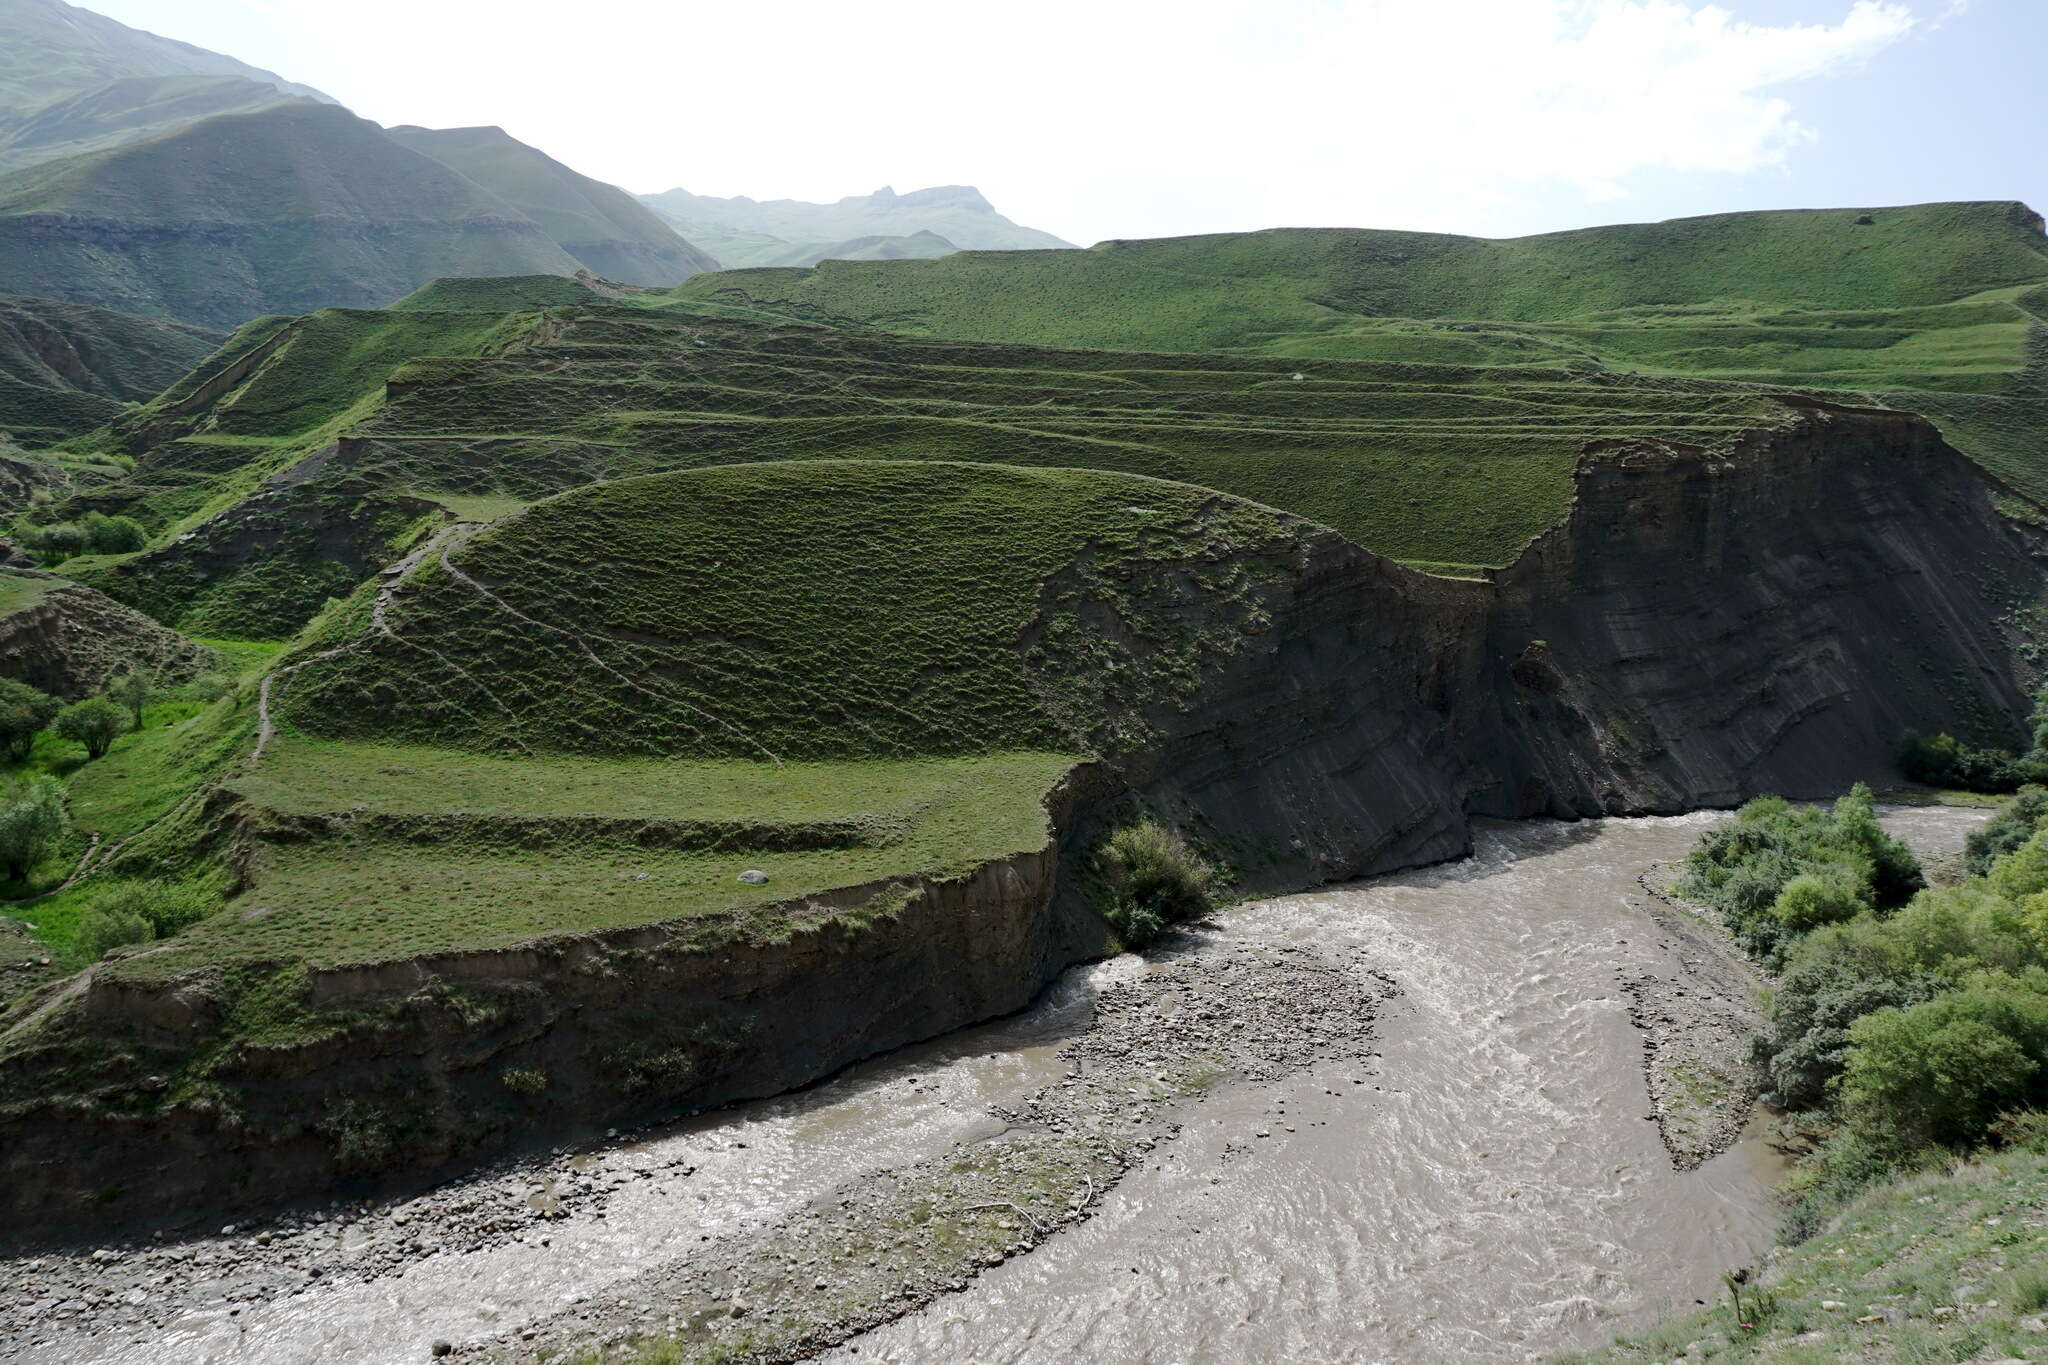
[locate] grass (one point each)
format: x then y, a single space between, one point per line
1398 295
1948 1264
799 610
360 893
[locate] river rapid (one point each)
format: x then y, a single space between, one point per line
1479 1176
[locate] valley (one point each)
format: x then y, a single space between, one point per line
591 776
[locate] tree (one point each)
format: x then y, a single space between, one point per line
95 722
32 819
132 690
24 712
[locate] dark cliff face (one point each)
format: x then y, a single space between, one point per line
1703 627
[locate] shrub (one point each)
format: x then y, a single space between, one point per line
101 931
1812 899
1942 1070
1152 879
1945 762
24 713
209 686
95 722
1744 869
166 907
32 820
1830 985
133 691
2004 831
527 1081
111 535
56 542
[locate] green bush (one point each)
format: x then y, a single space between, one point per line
1942 1070
112 535
131 690
32 820
95 722
1944 761
1805 1039
24 713
1840 860
1152 881
102 931
2005 831
166 907
1812 899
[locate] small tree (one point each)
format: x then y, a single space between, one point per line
32 819
1153 880
132 690
95 722
24 713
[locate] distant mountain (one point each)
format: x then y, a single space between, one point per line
125 110
293 208
745 232
604 228
72 81
66 368
919 246
50 50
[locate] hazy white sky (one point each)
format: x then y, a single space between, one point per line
1128 118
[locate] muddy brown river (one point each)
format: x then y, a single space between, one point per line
1490 1188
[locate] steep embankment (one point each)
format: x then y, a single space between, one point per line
1703 625
70 641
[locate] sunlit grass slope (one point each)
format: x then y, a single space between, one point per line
1820 293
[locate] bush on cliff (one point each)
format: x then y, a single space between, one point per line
1151 881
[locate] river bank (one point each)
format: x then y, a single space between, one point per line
1401 1119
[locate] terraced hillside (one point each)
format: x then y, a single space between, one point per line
556 605
1928 296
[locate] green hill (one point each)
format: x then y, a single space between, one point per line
1868 298
604 228
877 617
125 110
280 211
66 368
50 50
744 232
918 246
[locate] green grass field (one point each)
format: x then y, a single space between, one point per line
372 891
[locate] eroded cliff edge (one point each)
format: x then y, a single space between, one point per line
1704 625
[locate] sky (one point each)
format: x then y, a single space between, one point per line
1096 119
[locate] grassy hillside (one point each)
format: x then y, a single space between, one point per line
603 227
1950 1266
285 210
125 110
1820 294
799 610
65 368
49 50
